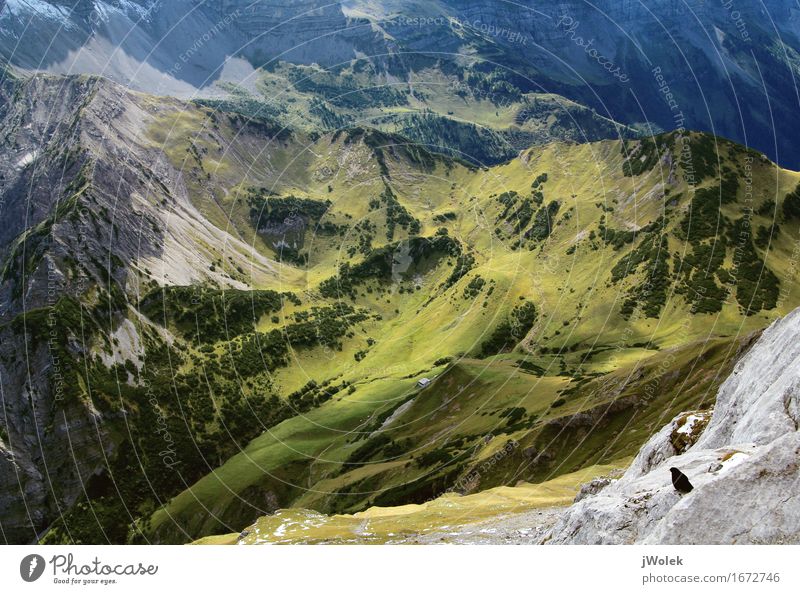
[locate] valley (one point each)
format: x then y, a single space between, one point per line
245 310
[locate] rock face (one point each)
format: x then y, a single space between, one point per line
180 47
80 184
744 466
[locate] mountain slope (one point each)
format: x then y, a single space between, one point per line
741 458
662 65
501 259
95 214
267 299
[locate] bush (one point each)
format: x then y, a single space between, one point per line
543 223
378 264
791 204
209 315
640 157
510 332
367 450
757 287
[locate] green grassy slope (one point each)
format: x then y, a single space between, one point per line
471 110
566 303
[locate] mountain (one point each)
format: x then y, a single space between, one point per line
657 66
305 275
338 260
256 60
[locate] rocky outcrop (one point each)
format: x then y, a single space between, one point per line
744 465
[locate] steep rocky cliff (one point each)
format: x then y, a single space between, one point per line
744 465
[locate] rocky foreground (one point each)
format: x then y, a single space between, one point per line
744 465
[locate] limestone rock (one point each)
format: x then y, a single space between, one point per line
745 466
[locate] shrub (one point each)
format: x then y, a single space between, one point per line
508 333
543 223
791 204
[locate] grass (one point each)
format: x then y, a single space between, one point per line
465 403
592 360
334 424
402 524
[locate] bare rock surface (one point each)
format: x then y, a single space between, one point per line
744 465
521 528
